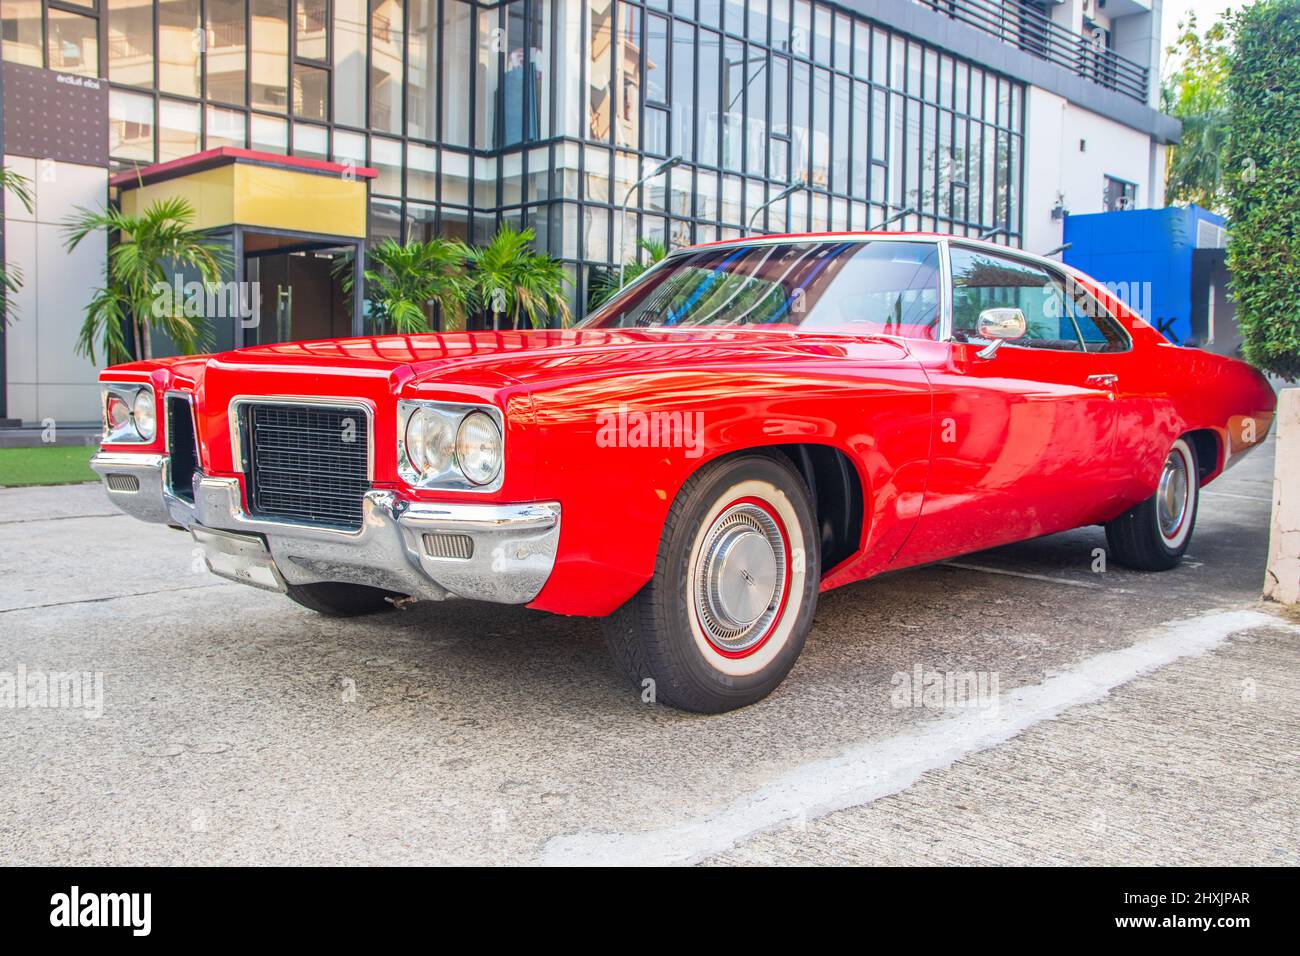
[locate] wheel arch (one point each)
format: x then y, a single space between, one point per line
837 488
1208 445
838 501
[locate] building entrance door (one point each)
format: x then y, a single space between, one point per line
300 289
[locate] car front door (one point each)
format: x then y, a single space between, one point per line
1024 428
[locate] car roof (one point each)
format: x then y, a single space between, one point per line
841 236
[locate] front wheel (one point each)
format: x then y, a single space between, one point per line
1155 535
735 586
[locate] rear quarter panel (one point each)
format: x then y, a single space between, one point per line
1166 390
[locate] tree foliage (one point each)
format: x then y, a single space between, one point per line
1196 92
1263 182
605 284
512 283
146 253
505 281
402 280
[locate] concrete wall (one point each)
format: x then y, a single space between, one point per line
45 378
1055 165
1282 582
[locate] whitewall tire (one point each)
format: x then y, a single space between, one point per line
735 587
1155 535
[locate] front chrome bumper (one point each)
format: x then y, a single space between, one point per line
432 550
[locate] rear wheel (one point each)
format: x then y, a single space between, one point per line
1155 535
337 599
734 591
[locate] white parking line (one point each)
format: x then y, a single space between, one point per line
880 768
1229 494
1018 574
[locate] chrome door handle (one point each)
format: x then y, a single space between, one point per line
1105 378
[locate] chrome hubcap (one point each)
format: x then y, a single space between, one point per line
1171 496
743 577
740 577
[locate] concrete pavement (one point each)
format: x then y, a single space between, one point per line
1141 718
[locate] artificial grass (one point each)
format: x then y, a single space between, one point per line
51 465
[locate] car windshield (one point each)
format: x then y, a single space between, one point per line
858 287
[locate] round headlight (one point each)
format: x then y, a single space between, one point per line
145 415
478 448
428 443
116 413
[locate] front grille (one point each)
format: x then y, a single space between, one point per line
181 448
306 463
123 483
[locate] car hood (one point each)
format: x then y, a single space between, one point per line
533 355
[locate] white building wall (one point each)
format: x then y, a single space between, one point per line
1068 153
44 375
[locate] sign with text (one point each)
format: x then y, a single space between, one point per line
59 116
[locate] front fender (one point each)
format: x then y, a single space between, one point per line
617 451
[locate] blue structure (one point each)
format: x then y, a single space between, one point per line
1145 256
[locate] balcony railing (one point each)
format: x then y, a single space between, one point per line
1019 24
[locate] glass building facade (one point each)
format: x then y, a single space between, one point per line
543 113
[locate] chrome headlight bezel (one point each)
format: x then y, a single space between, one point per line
448 476
128 432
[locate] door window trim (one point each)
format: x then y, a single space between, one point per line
1101 313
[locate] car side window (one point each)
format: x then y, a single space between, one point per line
1097 327
983 280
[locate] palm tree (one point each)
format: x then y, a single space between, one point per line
150 250
605 284
403 279
508 278
11 278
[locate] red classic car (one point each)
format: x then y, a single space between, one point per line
747 424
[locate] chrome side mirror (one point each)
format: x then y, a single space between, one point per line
1000 325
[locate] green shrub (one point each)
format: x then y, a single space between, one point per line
1263 180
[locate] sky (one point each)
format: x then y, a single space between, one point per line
1207 11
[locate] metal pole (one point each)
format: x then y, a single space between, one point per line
663 167
786 193
359 282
